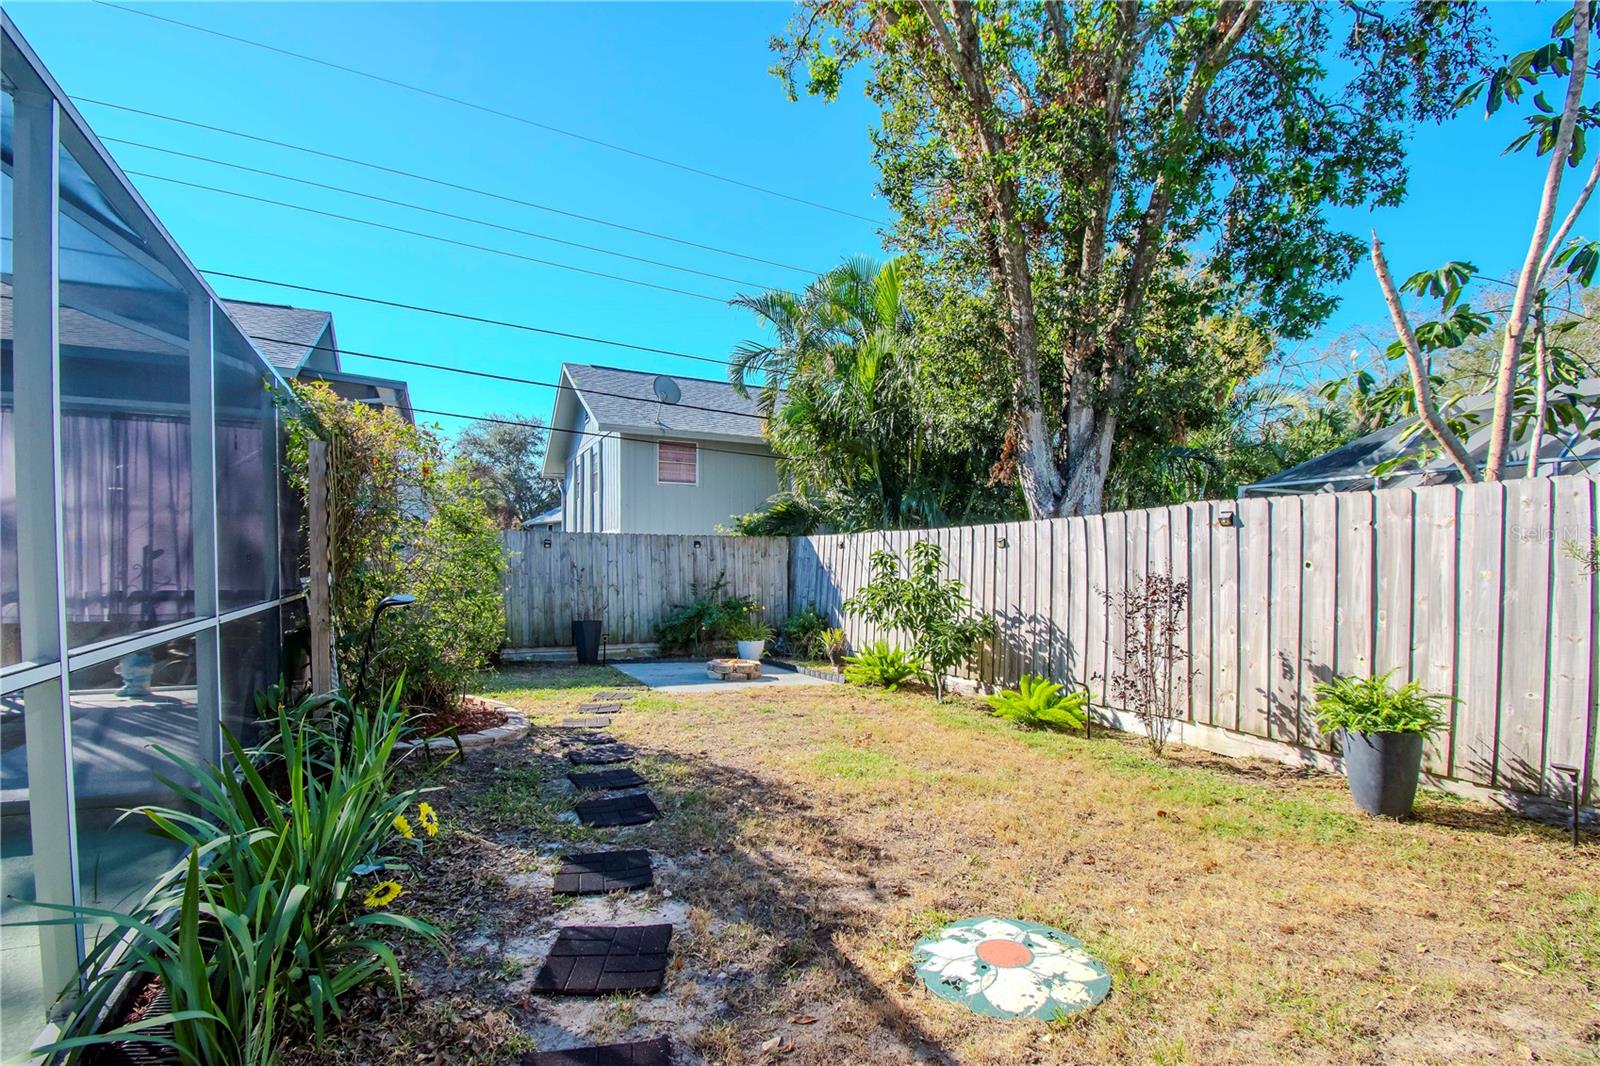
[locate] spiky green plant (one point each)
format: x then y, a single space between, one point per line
1374 705
1038 703
881 665
261 928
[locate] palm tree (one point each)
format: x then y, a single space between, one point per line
842 363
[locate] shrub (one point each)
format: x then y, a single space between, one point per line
404 520
834 644
881 665
1039 703
802 632
270 931
1151 668
705 620
932 611
1373 705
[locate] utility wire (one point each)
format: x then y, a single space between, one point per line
430 236
500 377
443 183
497 112
435 211
491 420
464 317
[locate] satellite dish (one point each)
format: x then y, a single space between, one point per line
667 390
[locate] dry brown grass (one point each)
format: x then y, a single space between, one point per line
1248 914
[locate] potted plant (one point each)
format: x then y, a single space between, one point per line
1381 731
750 637
585 626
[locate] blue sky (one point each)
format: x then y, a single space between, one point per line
687 81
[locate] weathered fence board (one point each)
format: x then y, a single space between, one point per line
1463 588
630 581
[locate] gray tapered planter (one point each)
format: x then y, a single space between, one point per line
1382 769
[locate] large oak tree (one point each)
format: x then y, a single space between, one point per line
1108 177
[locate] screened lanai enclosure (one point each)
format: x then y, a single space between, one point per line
150 566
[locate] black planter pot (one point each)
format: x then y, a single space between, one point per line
1382 769
586 639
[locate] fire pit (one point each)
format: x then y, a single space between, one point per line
733 670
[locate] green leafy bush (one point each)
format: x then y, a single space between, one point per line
802 632
881 665
1374 705
932 611
704 621
404 520
1039 703
267 933
833 643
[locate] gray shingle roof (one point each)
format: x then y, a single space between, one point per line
625 399
298 326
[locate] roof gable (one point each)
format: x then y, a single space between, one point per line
626 400
287 336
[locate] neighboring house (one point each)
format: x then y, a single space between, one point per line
548 522
1576 450
301 343
632 462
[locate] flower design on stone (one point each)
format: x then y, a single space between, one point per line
1010 969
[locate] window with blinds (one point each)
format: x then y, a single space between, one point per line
675 463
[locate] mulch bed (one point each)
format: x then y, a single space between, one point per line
471 715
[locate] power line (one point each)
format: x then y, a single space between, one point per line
435 211
464 317
421 364
443 183
485 109
430 236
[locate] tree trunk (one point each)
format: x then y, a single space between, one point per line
1541 404
1529 280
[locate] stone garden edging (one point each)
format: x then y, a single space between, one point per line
516 725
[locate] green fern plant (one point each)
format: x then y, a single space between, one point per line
1374 705
881 665
1038 703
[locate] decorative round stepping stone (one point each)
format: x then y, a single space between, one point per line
1005 968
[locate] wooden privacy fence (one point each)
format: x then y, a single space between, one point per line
1467 589
630 581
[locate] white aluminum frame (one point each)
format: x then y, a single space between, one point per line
45 122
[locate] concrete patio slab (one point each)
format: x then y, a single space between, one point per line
679 677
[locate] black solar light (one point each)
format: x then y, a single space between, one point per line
1572 773
399 600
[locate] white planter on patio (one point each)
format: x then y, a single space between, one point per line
751 649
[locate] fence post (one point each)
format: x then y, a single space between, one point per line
319 605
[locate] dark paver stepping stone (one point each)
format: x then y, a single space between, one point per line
593 738
603 871
599 708
600 754
606 779
621 695
634 809
587 722
588 960
655 1052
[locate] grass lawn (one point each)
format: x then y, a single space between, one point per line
1248 913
